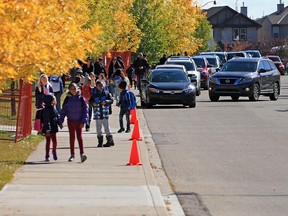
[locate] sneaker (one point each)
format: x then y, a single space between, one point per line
127 131
71 158
83 158
87 129
47 158
121 130
54 155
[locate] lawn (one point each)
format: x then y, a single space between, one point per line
13 155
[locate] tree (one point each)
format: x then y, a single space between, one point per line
43 34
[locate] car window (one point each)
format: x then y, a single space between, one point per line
170 76
199 62
266 65
212 61
274 58
188 65
240 66
272 65
261 66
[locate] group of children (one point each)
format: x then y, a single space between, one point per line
78 106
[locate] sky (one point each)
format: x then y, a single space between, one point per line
256 8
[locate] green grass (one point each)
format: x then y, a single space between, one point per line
13 156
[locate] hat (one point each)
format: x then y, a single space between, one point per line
79 71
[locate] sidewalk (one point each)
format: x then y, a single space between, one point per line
103 185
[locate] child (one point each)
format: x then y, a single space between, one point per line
127 102
50 122
101 100
75 108
86 92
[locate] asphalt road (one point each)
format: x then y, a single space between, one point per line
226 158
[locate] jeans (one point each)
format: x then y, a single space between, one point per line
58 99
105 123
90 108
121 114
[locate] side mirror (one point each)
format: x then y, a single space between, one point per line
262 70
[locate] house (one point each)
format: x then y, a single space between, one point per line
275 25
230 26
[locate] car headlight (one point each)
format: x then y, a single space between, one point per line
213 80
154 90
245 80
189 89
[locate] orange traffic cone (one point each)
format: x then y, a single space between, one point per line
133 116
136 131
134 155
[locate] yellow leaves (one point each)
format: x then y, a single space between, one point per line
48 34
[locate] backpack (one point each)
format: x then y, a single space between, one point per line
130 97
55 82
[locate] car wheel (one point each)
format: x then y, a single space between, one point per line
213 97
235 98
192 105
276 91
198 92
256 93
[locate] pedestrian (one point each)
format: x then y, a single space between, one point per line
113 66
79 78
141 66
101 100
126 103
163 59
88 67
86 91
58 89
102 79
75 109
43 87
50 122
130 72
117 78
99 67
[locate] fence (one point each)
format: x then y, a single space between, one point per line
15 112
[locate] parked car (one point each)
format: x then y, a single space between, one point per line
242 54
191 68
253 53
222 56
278 62
250 77
203 67
167 86
172 66
214 63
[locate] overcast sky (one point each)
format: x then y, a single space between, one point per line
256 8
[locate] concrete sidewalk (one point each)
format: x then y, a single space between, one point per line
103 185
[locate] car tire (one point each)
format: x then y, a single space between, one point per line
276 91
235 98
193 105
255 93
213 97
198 92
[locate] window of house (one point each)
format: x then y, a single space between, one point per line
275 31
239 34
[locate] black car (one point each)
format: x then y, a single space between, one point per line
250 77
167 86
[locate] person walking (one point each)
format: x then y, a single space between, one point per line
43 87
101 100
75 109
126 103
58 89
99 67
113 66
86 91
141 66
50 122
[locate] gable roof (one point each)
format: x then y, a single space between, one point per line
279 18
232 20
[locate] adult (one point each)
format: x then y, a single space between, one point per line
99 67
58 89
141 66
163 59
43 88
88 67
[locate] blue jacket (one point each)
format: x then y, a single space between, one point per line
75 108
101 111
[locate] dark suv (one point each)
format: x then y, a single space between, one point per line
250 77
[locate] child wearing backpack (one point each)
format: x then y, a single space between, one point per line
50 122
126 103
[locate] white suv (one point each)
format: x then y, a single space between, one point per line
191 68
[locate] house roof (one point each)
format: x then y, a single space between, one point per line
279 18
231 20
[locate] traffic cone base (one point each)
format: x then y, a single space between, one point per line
134 155
136 132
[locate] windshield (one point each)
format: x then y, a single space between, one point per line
169 76
212 61
240 66
188 65
274 59
199 62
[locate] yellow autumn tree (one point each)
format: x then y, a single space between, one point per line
43 34
182 17
120 32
